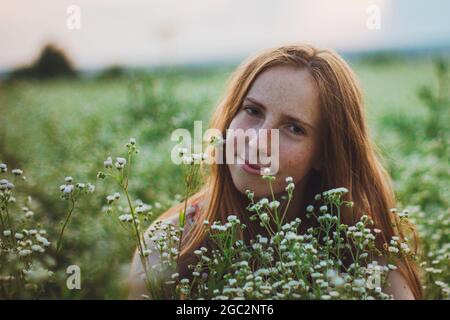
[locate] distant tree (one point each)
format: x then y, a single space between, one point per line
51 63
111 72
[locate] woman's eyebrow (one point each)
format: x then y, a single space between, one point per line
285 116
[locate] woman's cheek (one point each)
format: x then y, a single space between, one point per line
293 162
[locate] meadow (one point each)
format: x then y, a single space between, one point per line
58 128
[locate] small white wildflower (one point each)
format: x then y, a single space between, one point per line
120 163
18 236
68 179
108 163
17 172
68 189
274 204
110 199
37 248
24 253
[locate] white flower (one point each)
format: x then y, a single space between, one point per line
264 217
17 172
334 294
68 179
24 253
310 208
323 208
108 163
290 187
7 233
18 236
392 267
231 218
110 199
359 282
274 204
90 188
289 180
266 171
37 248
120 163
29 214
126 218
218 227
80 186
263 240
67 189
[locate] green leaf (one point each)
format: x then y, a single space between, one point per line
182 219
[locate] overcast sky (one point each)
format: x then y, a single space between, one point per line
144 32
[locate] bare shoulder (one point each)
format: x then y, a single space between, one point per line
136 277
397 284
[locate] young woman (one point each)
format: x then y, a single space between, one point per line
312 96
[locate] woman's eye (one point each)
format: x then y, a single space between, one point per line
295 129
251 111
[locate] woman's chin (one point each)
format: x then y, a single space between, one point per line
259 191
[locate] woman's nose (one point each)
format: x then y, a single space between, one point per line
261 141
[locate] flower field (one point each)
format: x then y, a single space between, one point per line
57 210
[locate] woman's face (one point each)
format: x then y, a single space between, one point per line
285 98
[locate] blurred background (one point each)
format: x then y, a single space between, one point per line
79 78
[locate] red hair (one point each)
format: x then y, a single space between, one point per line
349 158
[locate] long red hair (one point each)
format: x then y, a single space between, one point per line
349 158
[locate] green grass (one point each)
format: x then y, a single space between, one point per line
68 127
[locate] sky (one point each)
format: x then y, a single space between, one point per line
153 32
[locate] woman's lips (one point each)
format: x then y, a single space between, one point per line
250 168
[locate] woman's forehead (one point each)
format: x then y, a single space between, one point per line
287 89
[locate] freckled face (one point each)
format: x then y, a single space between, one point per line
285 98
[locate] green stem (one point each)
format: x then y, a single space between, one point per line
59 243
